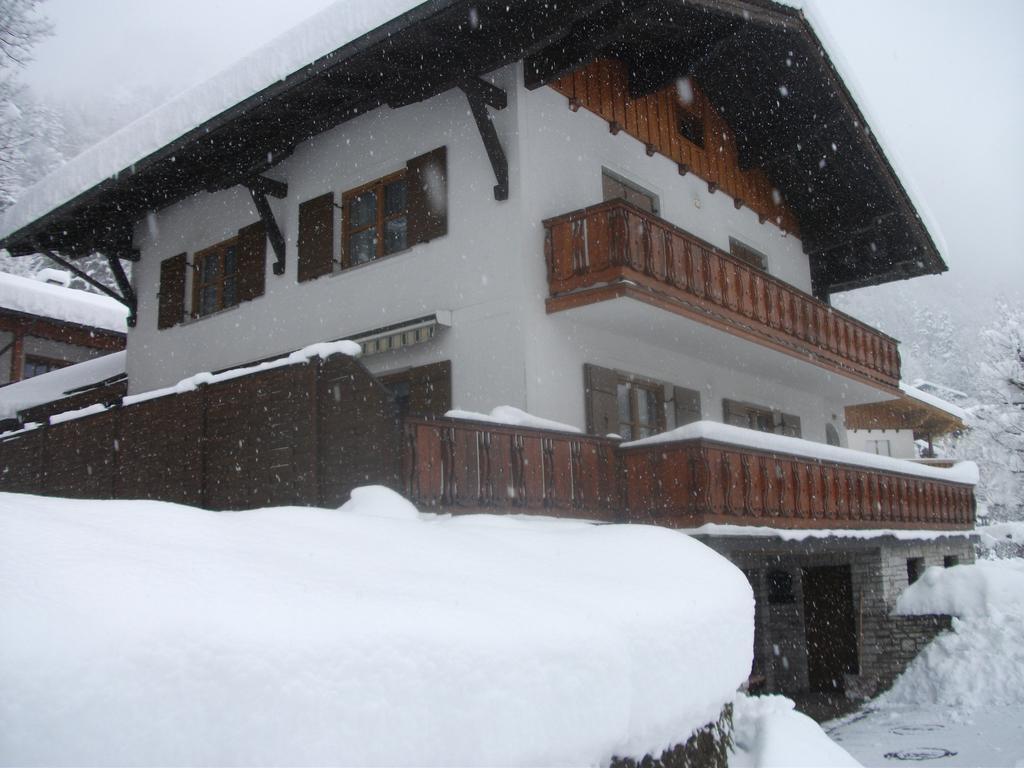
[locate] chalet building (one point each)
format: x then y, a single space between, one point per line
46 325
626 218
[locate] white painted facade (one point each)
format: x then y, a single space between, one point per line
488 271
898 443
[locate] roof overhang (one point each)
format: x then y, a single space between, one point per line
905 412
857 221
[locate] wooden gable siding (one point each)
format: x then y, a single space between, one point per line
602 87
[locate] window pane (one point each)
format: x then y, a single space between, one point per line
230 291
210 268
647 407
362 210
625 410
625 432
230 260
362 246
208 300
394 197
394 235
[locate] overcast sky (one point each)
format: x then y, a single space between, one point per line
940 79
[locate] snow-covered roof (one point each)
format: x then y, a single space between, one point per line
36 297
58 383
932 400
963 472
314 38
199 140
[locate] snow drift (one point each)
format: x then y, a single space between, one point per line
151 633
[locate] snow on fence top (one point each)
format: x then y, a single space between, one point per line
964 472
369 635
37 297
57 384
932 400
305 43
54 386
512 416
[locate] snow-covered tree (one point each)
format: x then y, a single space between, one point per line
996 436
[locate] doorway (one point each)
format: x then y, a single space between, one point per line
830 627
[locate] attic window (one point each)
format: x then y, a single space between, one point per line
690 122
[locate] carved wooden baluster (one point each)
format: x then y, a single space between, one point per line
448 466
518 470
548 471
486 487
576 474
727 483
579 246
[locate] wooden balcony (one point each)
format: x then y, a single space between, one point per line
615 249
456 465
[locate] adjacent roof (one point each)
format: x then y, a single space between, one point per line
29 296
60 383
915 409
761 64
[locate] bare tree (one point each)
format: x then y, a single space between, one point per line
21 27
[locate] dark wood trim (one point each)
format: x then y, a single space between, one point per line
480 95
259 199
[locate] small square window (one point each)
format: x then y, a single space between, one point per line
748 255
915 567
950 560
780 587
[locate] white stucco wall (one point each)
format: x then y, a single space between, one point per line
488 271
901 441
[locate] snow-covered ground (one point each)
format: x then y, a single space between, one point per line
961 702
142 633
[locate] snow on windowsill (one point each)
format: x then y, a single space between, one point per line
965 472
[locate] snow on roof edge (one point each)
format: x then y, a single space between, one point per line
57 302
319 36
55 385
934 401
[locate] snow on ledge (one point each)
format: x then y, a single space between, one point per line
369 635
57 302
512 416
803 534
56 384
965 472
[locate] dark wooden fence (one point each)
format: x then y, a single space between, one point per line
596 247
300 434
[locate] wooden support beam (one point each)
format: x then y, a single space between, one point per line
493 96
85 276
489 136
259 198
268 187
126 288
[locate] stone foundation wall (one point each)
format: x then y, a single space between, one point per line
709 747
888 644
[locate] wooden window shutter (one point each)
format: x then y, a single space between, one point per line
316 237
601 394
171 306
687 405
252 261
427 190
430 390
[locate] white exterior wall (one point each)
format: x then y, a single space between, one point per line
901 441
488 271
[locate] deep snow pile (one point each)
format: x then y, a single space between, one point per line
980 663
152 633
770 733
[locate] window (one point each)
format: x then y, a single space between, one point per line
950 561
376 220
613 187
690 122
831 435
880 447
641 408
780 587
762 419
748 255
215 278
915 567
36 366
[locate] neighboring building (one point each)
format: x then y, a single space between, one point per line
45 325
634 227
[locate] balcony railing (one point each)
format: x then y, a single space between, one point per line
615 249
459 465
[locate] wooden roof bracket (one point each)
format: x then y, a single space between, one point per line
127 295
480 95
260 187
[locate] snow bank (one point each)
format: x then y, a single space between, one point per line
507 414
151 633
35 297
963 472
997 536
56 384
770 733
983 589
318 36
981 662
802 534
